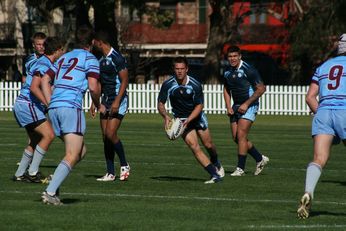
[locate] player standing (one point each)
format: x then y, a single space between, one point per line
186 97
243 83
75 72
329 123
29 110
114 80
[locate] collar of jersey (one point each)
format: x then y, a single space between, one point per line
187 81
110 52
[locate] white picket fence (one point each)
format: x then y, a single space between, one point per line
278 100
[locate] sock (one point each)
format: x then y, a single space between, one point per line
313 173
255 154
213 157
241 161
60 174
119 149
211 170
24 163
109 155
36 160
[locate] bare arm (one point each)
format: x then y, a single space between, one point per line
35 89
124 78
196 111
227 97
260 89
95 93
163 112
311 97
46 87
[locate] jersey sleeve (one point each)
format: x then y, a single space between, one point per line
198 97
40 69
120 62
163 94
92 66
315 77
254 76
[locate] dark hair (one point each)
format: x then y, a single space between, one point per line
38 35
84 36
102 36
180 59
52 44
232 49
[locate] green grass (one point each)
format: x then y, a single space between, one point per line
165 190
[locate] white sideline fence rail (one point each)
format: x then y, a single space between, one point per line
277 100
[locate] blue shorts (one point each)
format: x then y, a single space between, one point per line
200 123
28 113
250 114
67 120
330 122
124 104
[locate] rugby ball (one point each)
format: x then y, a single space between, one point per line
175 129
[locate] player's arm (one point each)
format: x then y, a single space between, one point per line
194 114
95 93
124 79
163 112
311 97
35 89
227 97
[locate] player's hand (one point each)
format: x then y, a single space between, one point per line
102 109
243 108
167 121
114 107
92 111
230 112
186 122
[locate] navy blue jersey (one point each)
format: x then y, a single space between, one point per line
241 82
183 98
110 66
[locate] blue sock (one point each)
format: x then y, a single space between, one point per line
109 155
213 157
60 174
255 154
36 160
241 161
24 163
211 170
119 149
313 173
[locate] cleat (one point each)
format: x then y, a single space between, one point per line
38 178
214 179
124 172
50 200
20 179
260 165
107 177
47 179
220 171
238 172
303 211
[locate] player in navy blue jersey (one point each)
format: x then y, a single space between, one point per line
244 85
38 45
326 98
29 110
186 98
73 73
114 80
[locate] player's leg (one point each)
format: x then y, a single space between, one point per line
108 150
46 132
243 127
191 139
206 139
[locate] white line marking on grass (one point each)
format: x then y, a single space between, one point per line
181 197
316 226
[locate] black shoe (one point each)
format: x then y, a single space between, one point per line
38 178
19 178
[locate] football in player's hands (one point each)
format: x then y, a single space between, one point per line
175 129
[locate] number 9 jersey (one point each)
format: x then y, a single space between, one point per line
331 79
70 74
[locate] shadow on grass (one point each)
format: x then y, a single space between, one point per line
175 178
92 176
326 213
342 183
48 166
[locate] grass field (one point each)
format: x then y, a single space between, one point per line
165 190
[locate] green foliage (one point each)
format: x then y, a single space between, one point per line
159 18
165 190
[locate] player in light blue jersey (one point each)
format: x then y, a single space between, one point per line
114 81
329 123
38 45
186 97
73 74
29 110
